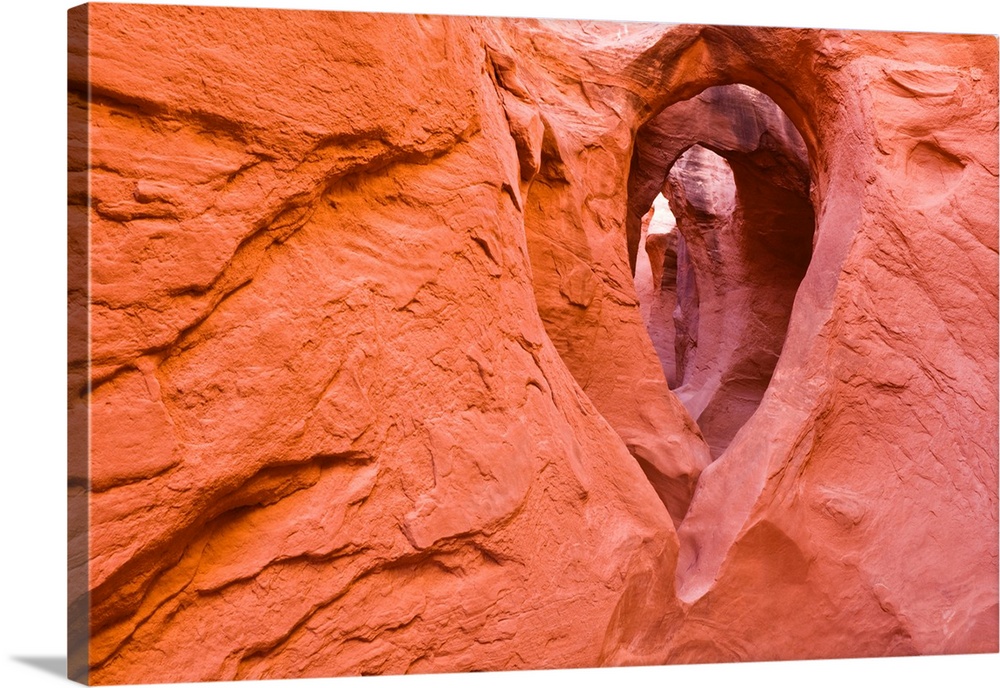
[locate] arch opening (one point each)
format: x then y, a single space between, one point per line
656 281
734 173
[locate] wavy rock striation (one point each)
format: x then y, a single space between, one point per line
370 391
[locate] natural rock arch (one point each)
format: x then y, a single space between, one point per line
866 124
748 259
871 128
391 342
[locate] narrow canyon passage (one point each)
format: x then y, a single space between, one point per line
731 172
656 282
417 384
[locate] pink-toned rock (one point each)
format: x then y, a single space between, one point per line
747 223
656 283
574 210
369 385
857 505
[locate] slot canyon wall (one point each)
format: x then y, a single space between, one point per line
359 381
736 175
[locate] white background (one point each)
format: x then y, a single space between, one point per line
33 230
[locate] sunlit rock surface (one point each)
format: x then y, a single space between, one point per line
370 390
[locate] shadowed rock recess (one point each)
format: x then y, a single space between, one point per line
382 334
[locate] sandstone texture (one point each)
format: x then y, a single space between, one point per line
656 282
736 173
369 384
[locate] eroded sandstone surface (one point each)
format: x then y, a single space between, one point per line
369 387
736 174
656 283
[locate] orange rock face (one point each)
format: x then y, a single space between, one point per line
369 385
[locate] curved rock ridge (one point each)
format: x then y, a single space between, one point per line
845 484
369 387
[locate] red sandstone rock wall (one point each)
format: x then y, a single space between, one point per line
369 389
330 433
858 505
574 209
